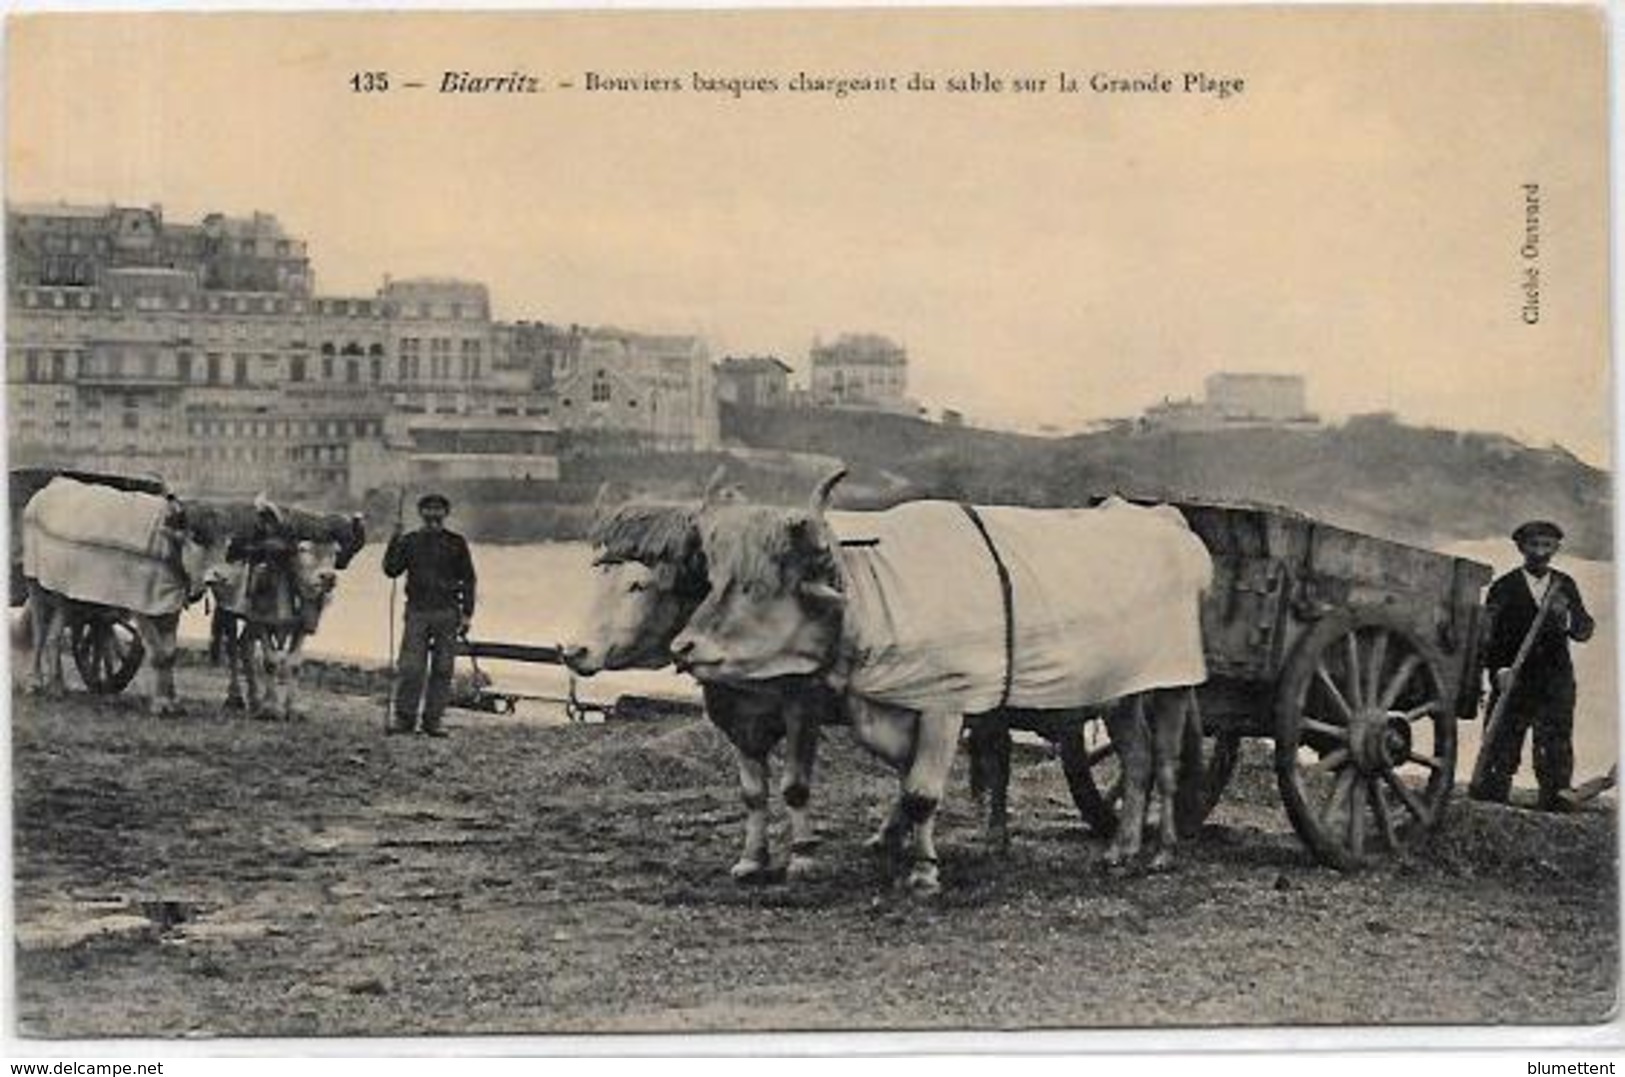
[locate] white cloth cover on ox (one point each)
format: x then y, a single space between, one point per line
96 544
1106 603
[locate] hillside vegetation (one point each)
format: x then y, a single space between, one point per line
1378 476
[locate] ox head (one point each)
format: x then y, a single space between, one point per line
350 535
774 605
315 574
649 575
199 538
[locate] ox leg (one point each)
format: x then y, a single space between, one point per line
1169 713
288 675
48 618
800 752
252 642
38 612
990 779
1125 722
158 636
936 740
753 779
231 647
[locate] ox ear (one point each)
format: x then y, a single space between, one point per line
821 495
821 593
600 500
714 492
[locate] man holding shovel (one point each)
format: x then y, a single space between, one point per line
1533 613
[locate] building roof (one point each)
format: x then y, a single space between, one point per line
754 364
57 209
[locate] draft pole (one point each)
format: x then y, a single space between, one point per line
394 585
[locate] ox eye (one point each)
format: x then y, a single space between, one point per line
637 586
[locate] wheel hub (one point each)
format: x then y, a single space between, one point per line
1378 740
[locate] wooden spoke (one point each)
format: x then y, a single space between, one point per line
1408 797
1427 708
1379 655
1379 801
1340 791
1357 809
1329 762
1402 677
1336 733
1426 760
1337 699
1356 689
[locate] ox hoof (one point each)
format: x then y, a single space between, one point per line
1162 861
749 870
801 866
998 840
923 881
234 703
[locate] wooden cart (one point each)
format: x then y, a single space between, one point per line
107 651
1356 655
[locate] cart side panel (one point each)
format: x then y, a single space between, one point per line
1242 612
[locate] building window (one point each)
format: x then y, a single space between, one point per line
239 369
213 364
327 368
132 420
296 368
600 388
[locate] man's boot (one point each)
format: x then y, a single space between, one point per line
1551 800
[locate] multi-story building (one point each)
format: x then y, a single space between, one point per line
636 391
73 245
197 352
1233 401
756 381
860 370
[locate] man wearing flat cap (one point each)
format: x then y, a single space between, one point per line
439 605
1542 695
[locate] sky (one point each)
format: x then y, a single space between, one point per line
1354 214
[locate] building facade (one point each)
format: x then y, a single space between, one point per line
860 370
197 352
755 381
1234 401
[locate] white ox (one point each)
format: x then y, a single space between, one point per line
929 612
87 546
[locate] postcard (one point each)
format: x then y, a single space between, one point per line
780 521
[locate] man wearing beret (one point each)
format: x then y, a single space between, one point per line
439 605
1543 696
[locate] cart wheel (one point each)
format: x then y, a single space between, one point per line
1365 739
107 651
1092 775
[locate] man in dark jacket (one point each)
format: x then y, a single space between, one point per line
439 605
1543 696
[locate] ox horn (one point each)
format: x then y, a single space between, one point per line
713 486
820 497
822 592
264 505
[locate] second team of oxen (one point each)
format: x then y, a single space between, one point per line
92 549
905 623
